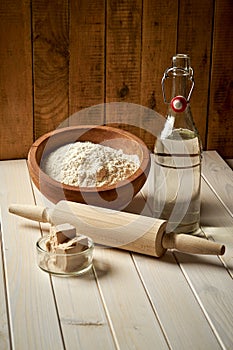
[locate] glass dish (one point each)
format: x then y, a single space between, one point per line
64 264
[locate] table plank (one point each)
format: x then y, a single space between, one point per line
86 70
217 215
210 282
219 177
213 288
4 331
134 321
217 224
16 97
173 300
32 312
82 315
50 35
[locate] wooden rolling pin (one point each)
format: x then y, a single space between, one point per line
117 229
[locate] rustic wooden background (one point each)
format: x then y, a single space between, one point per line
60 56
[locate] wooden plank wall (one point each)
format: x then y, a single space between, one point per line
58 57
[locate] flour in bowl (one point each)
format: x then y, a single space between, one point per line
86 164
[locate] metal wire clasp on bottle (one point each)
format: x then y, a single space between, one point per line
184 72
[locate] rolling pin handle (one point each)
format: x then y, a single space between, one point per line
35 213
191 244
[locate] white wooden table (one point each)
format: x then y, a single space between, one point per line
127 301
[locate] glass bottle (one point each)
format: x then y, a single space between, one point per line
177 155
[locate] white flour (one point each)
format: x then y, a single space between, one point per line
86 164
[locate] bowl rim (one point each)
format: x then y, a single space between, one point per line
35 167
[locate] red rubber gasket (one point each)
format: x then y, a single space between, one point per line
179 104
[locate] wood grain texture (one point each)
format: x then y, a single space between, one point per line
50 64
220 121
123 63
4 330
163 280
194 35
87 58
30 297
220 177
58 58
129 301
213 288
81 311
158 46
123 50
217 223
129 310
15 79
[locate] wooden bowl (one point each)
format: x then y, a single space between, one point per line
116 196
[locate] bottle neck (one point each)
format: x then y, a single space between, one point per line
179 123
179 79
180 85
179 115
